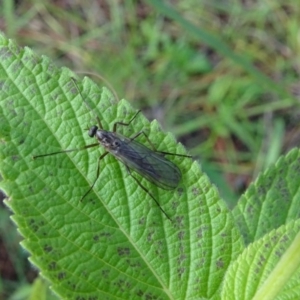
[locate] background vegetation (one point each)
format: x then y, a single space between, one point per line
228 87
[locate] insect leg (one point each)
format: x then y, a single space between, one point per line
125 124
64 151
147 191
97 176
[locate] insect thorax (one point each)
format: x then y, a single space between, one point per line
108 140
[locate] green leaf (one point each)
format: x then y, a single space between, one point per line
40 291
272 200
116 243
267 269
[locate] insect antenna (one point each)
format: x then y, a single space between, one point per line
107 83
87 104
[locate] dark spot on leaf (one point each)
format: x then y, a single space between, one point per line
5 53
202 205
52 265
260 263
34 59
261 259
48 248
274 238
124 112
201 263
47 77
181 258
33 225
181 235
71 284
140 293
55 97
84 274
199 234
15 158
123 251
105 234
123 285
92 200
16 67
105 273
158 253
250 209
284 239
261 191
220 263
181 247
51 174
296 166
150 296
175 204
149 236
73 90
180 191
178 221
61 275
180 272
28 81
142 221
195 191
134 264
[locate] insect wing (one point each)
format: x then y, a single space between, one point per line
151 165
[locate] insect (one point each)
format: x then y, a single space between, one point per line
149 163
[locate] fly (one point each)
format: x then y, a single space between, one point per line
150 164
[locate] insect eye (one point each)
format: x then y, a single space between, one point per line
92 131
